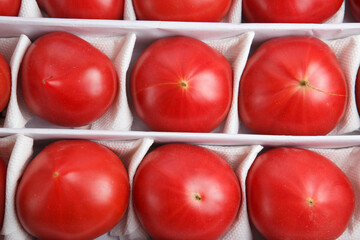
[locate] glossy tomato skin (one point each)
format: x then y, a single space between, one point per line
5 83
2 190
73 189
355 9
290 11
186 10
181 84
298 194
88 9
292 86
67 81
185 192
10 7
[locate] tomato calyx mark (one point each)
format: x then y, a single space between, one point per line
44 81
310 201
305 83
197 196
184 84
56 174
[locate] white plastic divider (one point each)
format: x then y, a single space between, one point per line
339 141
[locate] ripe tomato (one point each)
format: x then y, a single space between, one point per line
298 194
181 84
183 191
292 86
5 83
2 190
355 9
357 91
10 7
185 10
67 81
290 11
73 189
90 9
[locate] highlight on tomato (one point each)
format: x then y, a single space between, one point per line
298 194
290 11
67 81
180 84
183 191
292 86
73 189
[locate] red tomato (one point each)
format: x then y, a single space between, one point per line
298 194
292 86
5 83
185 10
90 9
10 7
357 91
355 9
67 81
72 190
181 84
290 11
2 190
185 192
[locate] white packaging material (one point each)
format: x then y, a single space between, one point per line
347 51
17 150
236 50
29 8
118 117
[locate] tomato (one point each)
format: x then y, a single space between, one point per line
10 7
5 82
292 86
67 81
290 11
355 9
2 190
357 90
181 84
73 189
183 191
90 9
298 194
185 10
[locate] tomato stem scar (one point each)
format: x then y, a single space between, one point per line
310 201
56 174
184 84
44 81
305 83
197 196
